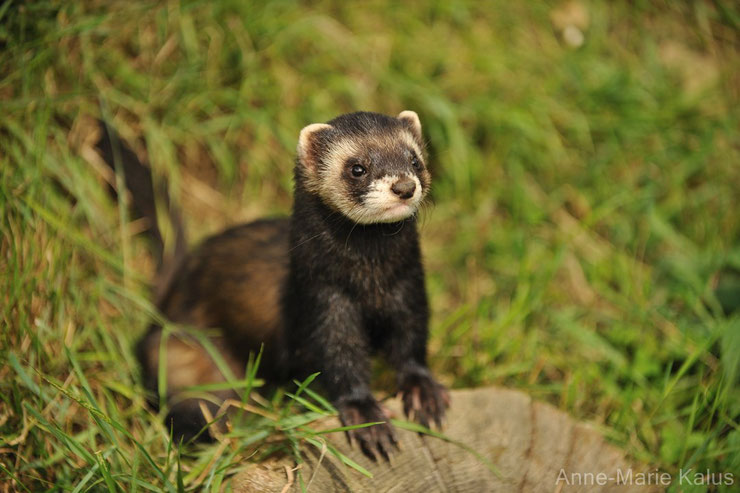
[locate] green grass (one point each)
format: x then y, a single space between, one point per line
583 244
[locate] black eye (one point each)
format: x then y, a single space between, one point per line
358 171
415 161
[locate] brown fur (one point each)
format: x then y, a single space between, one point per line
230 281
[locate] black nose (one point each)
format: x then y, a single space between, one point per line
404 188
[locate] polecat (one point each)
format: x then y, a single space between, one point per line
340 280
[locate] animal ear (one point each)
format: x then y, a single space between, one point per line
309 146
411 120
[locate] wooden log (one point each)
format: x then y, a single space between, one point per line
534 447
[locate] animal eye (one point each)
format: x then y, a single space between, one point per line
358 171
415 161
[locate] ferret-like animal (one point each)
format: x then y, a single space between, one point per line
339 281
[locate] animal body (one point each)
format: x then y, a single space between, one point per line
321 291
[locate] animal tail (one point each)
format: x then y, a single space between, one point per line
186 362
138 178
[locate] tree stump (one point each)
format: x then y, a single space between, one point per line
534 446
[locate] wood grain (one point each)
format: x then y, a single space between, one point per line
529 442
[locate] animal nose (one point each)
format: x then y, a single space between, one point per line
404 188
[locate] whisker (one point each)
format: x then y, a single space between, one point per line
305 241
346 241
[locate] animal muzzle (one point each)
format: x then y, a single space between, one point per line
404 188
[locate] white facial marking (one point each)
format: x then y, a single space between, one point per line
382 205
411 142
329 185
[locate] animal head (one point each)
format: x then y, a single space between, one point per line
369 167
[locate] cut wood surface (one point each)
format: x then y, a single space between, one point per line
534 447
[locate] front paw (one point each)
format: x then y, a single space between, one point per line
424 399
373 440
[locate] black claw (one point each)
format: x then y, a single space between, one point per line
382 452
375 440
393 437
367 450
424 400
388 441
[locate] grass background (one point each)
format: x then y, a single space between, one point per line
583 244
